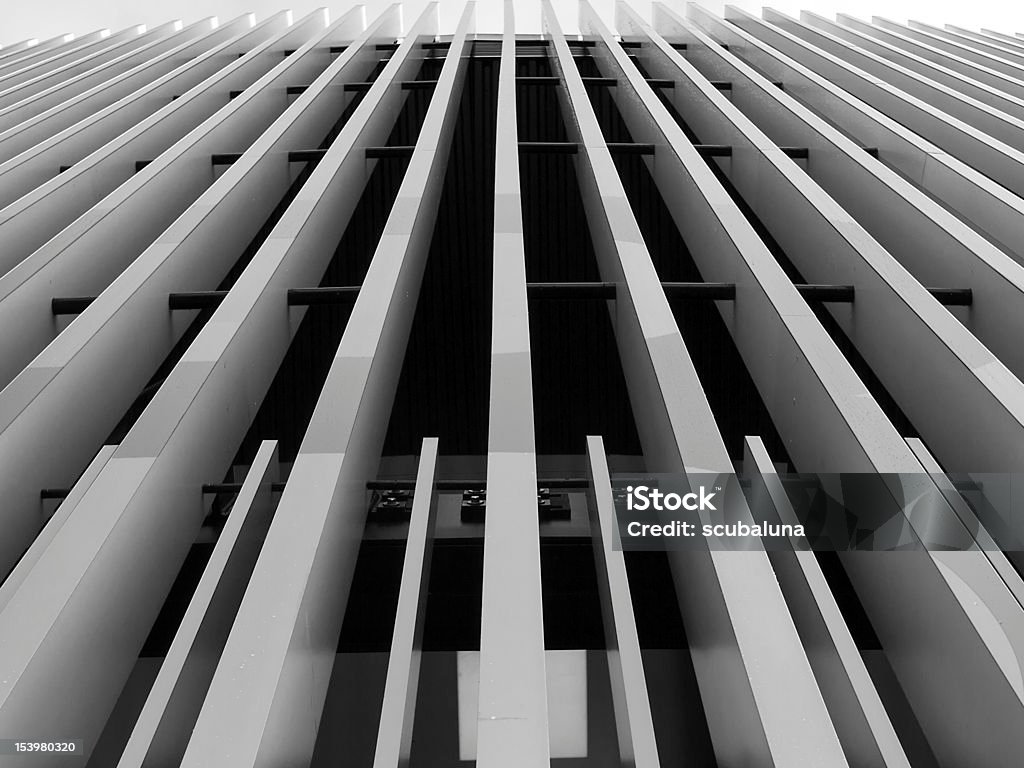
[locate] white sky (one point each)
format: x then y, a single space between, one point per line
42 19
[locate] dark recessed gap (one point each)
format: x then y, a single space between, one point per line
538 112
173 611
680 723
578 385
572 605
407 127
454 596
369 622
443 390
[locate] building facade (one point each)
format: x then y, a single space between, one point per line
327 347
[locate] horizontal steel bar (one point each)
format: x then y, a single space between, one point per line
140 164
306 155
714 150
710 291
384 152
358 87
195 299
414 85
559 483
225 158
826 292
630 148
54 493
953 297
295 90
301 297
549 147
332 49
297 297
72 305
215 488
571 148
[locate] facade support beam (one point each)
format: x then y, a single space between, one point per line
739 652
512 717
269 714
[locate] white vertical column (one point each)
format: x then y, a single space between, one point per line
398 710
633 721
512 717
